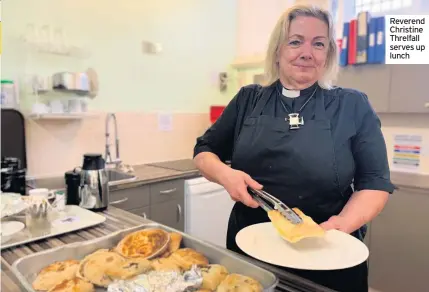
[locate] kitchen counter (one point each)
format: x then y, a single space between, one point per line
185 169
410 180
117 219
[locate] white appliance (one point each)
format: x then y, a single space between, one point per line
208 206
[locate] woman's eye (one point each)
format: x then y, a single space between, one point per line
294 43
320 44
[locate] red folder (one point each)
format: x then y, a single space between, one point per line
352 42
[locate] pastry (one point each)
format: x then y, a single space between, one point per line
73 285
54 274
295 232
213 275
175 241
129 268
92 268
239 283
146 243
165 265
187 257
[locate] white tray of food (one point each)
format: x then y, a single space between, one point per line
147 258
15 231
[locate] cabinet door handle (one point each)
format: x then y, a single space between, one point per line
144 215
119 201
179 212
167 191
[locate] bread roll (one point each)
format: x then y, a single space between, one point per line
295 232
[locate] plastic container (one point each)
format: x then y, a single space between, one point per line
8 94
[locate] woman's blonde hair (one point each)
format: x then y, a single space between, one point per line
280 34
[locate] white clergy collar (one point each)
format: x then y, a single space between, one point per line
291 93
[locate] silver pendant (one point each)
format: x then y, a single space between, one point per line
295 121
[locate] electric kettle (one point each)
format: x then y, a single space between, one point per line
94 188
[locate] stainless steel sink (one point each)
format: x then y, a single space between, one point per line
117 177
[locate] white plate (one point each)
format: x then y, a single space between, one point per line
336 250
9 228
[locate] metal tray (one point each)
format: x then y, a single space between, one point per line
26 268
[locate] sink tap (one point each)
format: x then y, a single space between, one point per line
108 155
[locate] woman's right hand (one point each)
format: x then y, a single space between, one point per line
236 182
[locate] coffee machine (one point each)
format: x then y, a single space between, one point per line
94 188
12 176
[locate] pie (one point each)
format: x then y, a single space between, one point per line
175 241
73 285
165 265
239 283
103 267
54 274
92 268
295 232
187 257
213 275
146 243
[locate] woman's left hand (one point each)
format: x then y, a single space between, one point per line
338 223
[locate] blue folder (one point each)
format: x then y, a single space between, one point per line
372 40
380 46
345 45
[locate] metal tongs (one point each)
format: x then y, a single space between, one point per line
263 197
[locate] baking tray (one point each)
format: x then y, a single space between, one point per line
73 218
26 268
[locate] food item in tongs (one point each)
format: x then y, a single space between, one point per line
54 274
146 243
295 232
239 283
291 223
73 285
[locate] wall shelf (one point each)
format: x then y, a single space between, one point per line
61 116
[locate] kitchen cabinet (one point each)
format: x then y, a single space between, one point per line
169 213
167 203
161 202
399 242
408 91
130 198
390 88
373 80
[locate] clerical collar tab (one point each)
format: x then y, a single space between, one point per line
290 93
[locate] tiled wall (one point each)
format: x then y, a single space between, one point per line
57 146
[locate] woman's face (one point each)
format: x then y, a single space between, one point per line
303 55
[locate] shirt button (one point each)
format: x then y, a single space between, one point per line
300 197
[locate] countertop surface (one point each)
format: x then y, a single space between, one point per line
117 219
185 169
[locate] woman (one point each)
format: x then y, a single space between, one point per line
316 147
